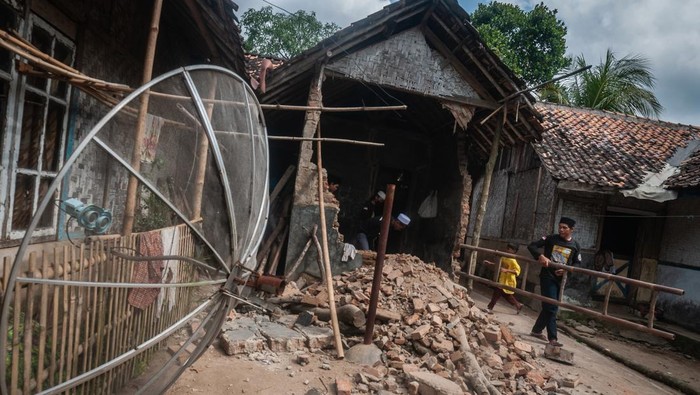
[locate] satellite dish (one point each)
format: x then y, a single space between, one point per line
94 316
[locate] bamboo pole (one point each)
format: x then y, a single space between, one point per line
64 321
43 310
324 244
28 329
326 139
71 320
54 330
92 318
28 51
202 155
619 321
14 381
6 268
484 198
132 188
576 269
330 109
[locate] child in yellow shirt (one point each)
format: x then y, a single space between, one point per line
510 269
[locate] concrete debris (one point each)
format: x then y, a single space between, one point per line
432 337
559 354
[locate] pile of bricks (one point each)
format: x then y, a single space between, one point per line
429 306
425 322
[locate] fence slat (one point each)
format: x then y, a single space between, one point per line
43 312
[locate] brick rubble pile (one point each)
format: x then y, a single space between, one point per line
432 335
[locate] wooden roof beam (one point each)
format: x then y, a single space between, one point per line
471 56
457 99
457 64
196 13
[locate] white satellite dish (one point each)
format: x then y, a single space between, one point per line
110 306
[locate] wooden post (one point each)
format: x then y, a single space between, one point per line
326 256
132 188
488 173
379 264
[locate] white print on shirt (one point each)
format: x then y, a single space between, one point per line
561 254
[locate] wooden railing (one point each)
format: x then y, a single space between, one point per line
59 331
655 289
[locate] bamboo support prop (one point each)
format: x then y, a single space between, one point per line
326 139
202 155
132 188
326 256
484 198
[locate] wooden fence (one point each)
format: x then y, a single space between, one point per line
57 332
654 288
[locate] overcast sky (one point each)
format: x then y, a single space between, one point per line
665 32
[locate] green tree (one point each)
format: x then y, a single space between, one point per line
621 85
532 43
282 35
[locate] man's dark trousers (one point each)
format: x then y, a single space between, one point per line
549 287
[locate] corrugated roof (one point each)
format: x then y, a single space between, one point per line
613 150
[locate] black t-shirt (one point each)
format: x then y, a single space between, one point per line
558 250
371 209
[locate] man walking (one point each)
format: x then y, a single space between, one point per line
558 248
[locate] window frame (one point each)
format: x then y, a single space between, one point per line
13 136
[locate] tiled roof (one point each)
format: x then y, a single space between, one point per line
690 172
253 62
612 150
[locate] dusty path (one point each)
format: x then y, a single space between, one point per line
598 372
216 373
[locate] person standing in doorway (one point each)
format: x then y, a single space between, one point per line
558 248
374 207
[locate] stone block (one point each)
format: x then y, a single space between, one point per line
317 337
492 334
280 338
343 387
432 384
420 332
443 346
570 381
240 341
559 354
507 335
457 356
535 377
522 347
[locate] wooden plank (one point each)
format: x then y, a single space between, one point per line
72 300
43 312
64 316
14 375
28 327
281 183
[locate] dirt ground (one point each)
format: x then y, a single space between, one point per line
279 373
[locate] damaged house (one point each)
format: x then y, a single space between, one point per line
64 64
421 54
631 184
46 103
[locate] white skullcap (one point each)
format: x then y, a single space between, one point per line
404 219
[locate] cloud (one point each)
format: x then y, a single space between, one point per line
667 33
